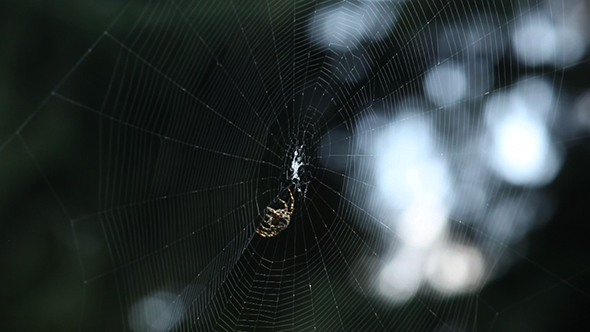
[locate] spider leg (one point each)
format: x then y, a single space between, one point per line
264 232
284 203
265 228
289 210
292 201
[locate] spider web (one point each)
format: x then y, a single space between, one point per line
384 118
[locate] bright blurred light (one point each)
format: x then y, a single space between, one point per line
415 190
522 151
445 84
537 40
572 24
453 268
401 278
571 45
156 312
534 96
344 27
421 225
408 170
534 40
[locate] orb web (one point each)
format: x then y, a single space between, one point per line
416 137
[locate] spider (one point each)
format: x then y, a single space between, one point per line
276 220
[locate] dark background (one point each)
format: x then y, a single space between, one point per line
43 284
